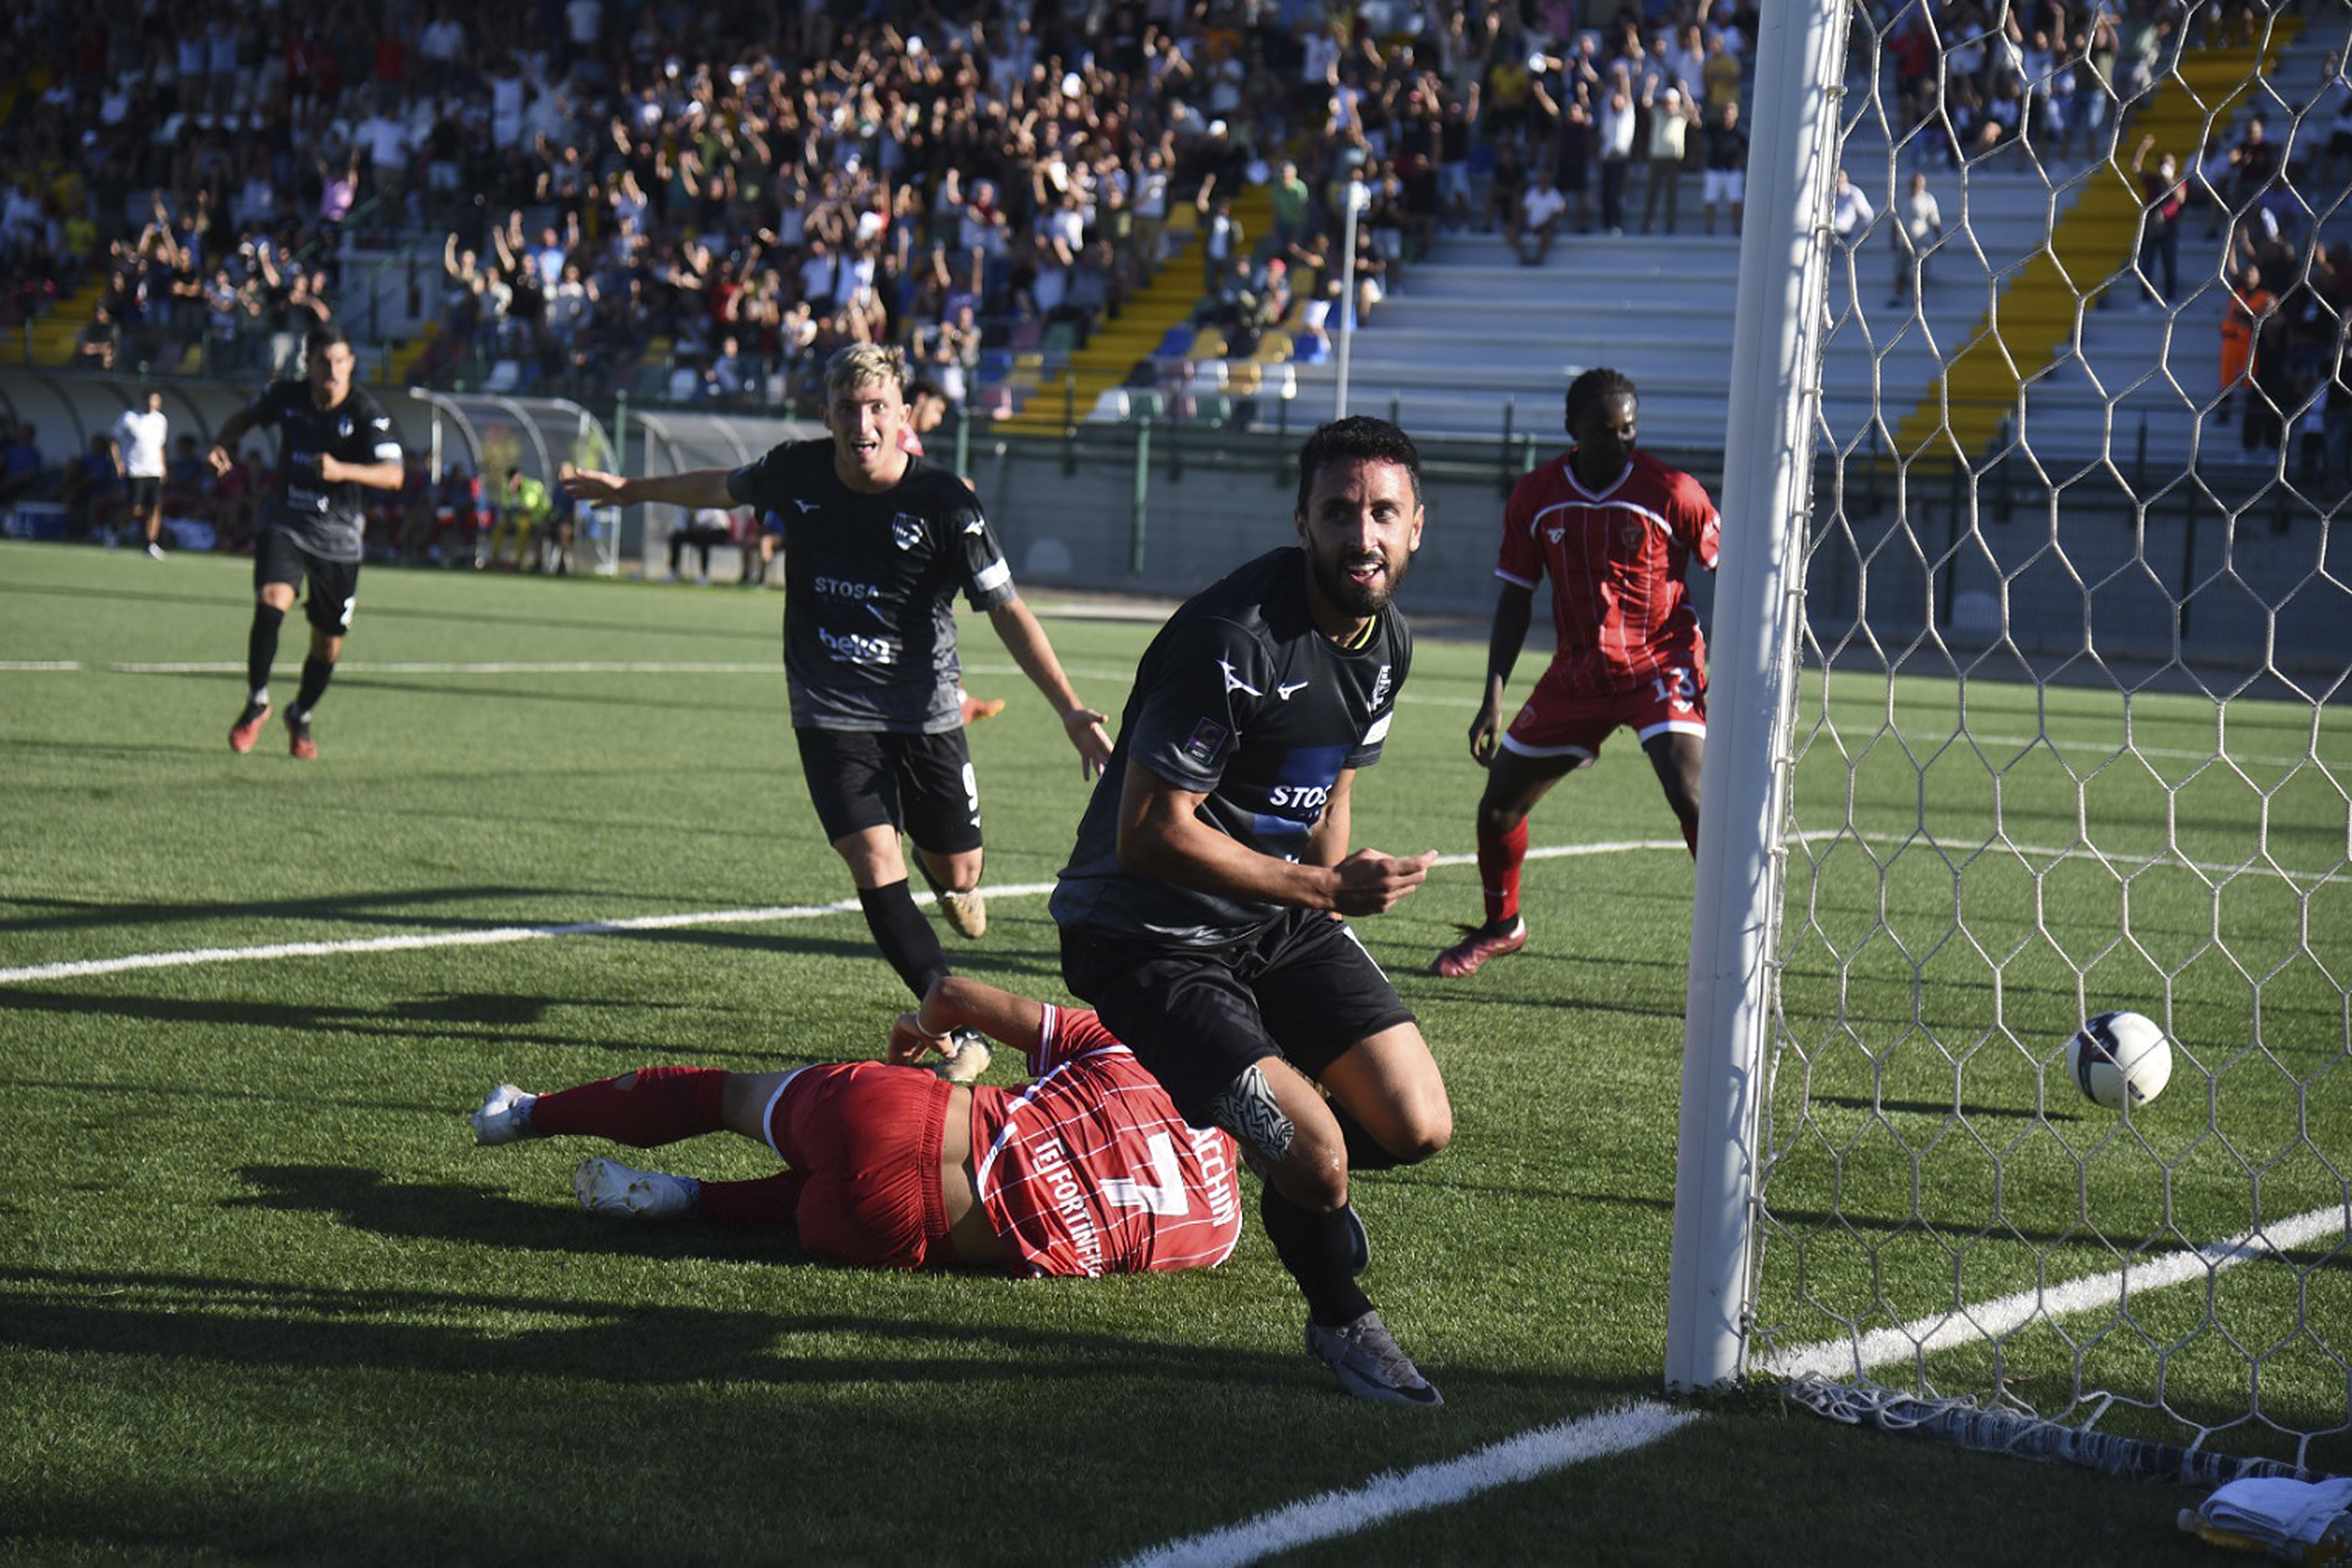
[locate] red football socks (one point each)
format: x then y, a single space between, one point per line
1500 859
762 1200
661 1106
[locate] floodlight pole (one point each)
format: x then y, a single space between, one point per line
1357 200
1768 486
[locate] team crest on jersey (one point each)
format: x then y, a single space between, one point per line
905 530
343 428
1208 739
1379 690
1628 535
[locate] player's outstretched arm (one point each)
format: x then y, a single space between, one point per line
1026 641
957 1002
695 487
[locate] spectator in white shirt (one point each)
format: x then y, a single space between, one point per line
1851 213
1539 214
1919 225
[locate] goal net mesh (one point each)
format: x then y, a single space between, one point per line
2068 737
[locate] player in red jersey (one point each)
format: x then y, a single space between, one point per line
1087 1170
1616 529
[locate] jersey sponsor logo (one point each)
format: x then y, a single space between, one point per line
1286 689
1295 798
1234 683
1068 1196
905 530
844 588
849 648
1208 739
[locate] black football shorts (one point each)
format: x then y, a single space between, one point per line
1302 988
922 785
334 584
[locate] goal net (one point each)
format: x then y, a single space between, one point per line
2028 709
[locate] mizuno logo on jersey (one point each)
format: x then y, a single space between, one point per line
1285 690
1234 683
806 507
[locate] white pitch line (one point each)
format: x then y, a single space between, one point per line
1969 1325
415 940
1394 1493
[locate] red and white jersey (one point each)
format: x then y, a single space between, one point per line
1617 557
1089 1170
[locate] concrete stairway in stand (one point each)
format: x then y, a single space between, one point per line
1067 393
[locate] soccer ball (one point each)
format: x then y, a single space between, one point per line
2120 1054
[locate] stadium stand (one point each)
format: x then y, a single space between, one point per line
445 160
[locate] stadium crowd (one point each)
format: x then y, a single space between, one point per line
719 197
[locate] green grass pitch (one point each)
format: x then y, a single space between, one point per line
262 1301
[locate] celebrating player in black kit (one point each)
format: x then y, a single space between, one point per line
1199 909
877 542
332 439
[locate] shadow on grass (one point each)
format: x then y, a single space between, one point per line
608 1431
368 1200
1945 1108
404 1022
200 1319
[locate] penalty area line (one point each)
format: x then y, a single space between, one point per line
1394 1493
496 936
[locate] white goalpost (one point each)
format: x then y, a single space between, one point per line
2028 647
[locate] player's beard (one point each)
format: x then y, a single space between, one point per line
1329 575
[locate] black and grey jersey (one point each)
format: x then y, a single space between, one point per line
870 583
1241 698
328 520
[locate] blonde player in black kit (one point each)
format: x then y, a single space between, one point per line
1199 909
333 439
877 542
